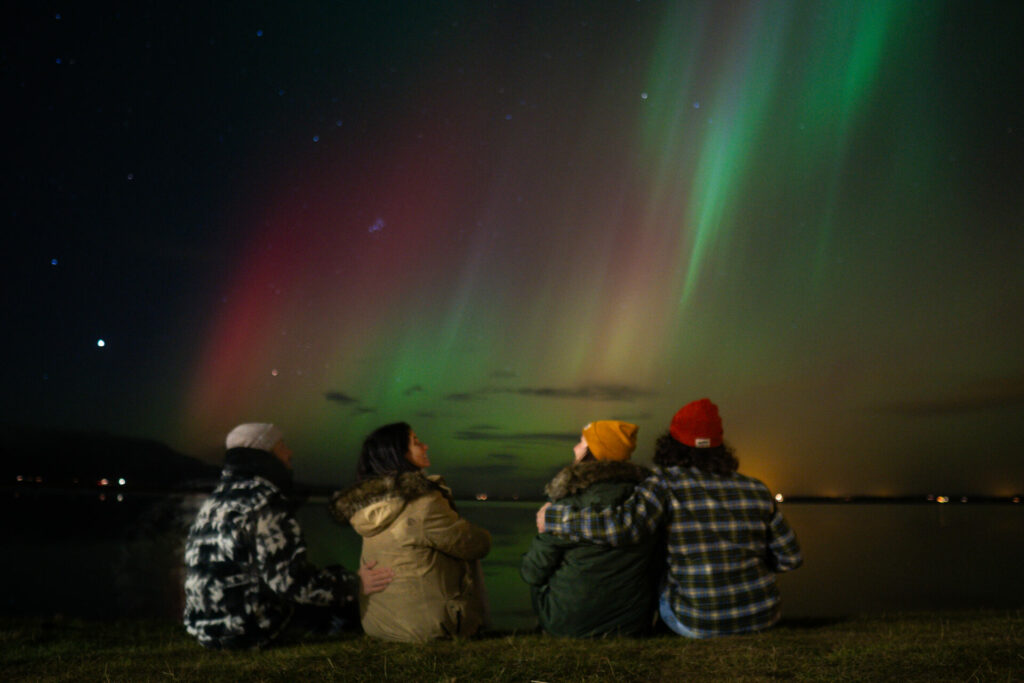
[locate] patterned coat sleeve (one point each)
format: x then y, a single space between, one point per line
281 558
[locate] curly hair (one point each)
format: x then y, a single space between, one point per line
717 460
384 452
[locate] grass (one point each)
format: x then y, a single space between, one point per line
933 646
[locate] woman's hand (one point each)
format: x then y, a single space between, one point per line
540 517
373 580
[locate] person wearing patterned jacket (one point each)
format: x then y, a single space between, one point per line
247 577
726 537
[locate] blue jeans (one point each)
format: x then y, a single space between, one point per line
672 621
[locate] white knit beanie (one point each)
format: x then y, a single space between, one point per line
260 435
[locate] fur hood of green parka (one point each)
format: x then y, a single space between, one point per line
405 487
579 477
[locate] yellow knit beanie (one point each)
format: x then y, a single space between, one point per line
611 439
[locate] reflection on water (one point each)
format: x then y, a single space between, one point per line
874 558
858 558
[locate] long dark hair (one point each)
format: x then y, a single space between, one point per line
384 452
717 460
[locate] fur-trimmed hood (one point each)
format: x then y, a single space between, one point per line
578 477
390 493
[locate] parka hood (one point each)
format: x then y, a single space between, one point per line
372 505
578 477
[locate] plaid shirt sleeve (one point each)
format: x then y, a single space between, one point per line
782 545
637 516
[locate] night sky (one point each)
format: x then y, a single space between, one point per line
501 220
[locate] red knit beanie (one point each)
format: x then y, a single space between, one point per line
697 424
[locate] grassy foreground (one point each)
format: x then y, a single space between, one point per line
933 646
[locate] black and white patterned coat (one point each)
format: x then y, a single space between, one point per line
245 559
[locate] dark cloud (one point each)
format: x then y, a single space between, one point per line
339 397
587 392
1006 392
363 410
590 392
490 435
483 473
415 389
508 457
464 396
496 480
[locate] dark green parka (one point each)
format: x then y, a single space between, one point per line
583 589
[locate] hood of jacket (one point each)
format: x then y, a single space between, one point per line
245 463
372 505
580 476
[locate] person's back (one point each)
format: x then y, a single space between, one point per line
409 523
566 576
725 544
227 605
246 572
726 538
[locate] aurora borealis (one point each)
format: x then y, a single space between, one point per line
499 221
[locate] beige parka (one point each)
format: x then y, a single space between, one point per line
409 523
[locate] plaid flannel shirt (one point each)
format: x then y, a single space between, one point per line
726 540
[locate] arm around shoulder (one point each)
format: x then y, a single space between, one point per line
629 522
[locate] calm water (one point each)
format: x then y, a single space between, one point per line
857 557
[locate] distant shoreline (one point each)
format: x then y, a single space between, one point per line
32 489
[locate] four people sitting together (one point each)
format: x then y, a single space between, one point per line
689 540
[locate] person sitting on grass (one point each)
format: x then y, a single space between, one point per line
408 521
726 536
583 589
247 578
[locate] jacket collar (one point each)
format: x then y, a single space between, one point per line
580 476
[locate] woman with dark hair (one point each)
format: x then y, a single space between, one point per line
565 575
408 522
